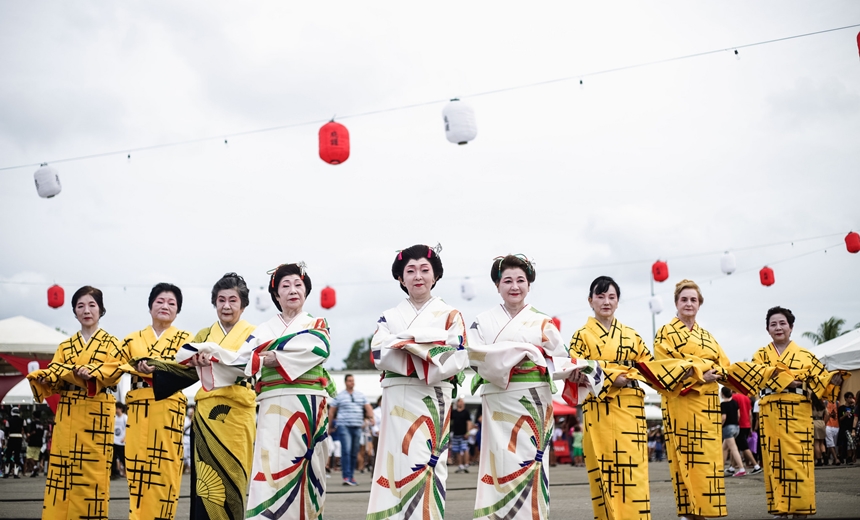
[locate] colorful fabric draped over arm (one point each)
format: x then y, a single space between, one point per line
433 348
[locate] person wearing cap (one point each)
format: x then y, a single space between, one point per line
84 367
420 346
14 444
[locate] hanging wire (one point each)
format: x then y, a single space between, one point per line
558 269
576 77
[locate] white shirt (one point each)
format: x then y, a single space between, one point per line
119 423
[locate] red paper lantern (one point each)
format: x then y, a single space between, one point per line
766 276
56 295
334 143
328 298
556 322
852 242
660 271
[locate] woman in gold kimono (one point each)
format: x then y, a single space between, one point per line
616 435
691 412
787 376
225 419
153 447
78 479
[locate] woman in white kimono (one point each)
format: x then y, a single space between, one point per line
421 347
512 349
285 356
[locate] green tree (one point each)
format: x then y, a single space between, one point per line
359 355
828 330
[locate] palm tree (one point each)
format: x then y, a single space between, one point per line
828 330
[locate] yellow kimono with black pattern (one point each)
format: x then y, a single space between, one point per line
785 421
616 435
224 427
78 480
693 421
153 441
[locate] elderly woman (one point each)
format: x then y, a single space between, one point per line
153 446
223 423
786 376
81 371
511 348
691 413
613 418
420 347
285 355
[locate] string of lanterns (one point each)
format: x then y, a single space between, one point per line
468 291
728 265
459 119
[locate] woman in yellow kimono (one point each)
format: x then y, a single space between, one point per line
616 434
224 422
78 479
786 375
691 412
153 446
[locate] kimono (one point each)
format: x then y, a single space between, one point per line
223 426
785 421
693 421
615 432
78 480
153 448
422 353
513 361
287 479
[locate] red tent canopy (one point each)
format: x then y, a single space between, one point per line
20 364
559 408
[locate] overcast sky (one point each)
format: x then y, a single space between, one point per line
665 161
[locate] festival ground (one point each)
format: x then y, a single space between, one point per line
838 495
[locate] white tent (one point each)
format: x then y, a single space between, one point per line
20 335
842 353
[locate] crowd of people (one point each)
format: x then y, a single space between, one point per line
260 437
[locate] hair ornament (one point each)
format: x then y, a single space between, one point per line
400 254
435 249
301 265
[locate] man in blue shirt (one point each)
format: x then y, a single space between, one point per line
346 416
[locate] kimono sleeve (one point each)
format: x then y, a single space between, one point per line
298 353
666 348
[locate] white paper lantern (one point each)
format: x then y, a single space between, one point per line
47 182
728 263
467 289
262 300
32 366
655 304
460 124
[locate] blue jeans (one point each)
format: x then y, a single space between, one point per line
350 443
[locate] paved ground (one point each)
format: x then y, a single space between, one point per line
838 496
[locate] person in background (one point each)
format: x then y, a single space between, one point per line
745 425
831 433
755 426
729 410
577 451
845 438
461 423
186 439
346 415
119 422
35 439
660 444
2 445
14 445
819 409
374 427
